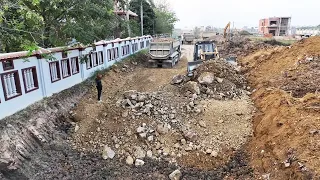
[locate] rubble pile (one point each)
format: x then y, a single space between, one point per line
158 105
216 79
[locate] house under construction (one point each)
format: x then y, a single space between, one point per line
277 26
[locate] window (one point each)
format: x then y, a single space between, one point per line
54 71
133 49
30 79
128 49
7 65
109 54
94 59
142 45
64 54
11 85
89 62
65 67
100 56
74 65
147 43
117 53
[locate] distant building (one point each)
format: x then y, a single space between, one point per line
277 26
308 31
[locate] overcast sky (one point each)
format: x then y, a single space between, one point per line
218 13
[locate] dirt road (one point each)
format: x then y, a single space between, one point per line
223 127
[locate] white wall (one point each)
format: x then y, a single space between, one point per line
46 87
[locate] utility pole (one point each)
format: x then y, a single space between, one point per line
141 14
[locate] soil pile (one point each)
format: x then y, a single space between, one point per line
287 125
163 40
240 46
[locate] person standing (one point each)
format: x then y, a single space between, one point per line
99 86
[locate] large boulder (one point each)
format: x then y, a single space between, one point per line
206 78
192 87
177 79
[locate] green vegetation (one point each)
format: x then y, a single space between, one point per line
30 24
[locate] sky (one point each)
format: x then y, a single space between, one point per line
242 13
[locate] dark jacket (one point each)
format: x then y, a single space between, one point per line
98 83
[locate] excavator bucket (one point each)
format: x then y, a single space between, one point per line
192 66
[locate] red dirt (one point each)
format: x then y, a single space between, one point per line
285 127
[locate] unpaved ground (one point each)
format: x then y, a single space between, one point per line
222 127
286 128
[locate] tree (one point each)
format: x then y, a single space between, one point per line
50 23
165 18
148 14
196 32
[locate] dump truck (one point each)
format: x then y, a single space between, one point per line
164 52
187 38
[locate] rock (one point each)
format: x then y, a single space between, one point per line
192 87
206 78
166 151
117 146
129 160
171 116
139 153
108 153
313 132
129 94
214 154
202 124
183 141
141 98
163 128
125 114
209 151
150 138
143 135
177 79
219 80
287 164
76 128
188 148
139 162
149 154
190 136
175 175
140 129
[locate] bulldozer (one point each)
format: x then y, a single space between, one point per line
203 51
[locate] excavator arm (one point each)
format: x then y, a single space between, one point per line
226 30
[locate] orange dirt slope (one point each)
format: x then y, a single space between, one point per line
287 124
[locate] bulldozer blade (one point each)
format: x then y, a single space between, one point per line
193 65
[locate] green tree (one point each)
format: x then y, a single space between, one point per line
49 23
148 14
165 18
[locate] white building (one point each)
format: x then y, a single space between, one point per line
308 31
23 81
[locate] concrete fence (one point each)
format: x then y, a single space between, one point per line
25 80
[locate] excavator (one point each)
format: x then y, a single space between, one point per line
226 31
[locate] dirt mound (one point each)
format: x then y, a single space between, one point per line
219 79
286 133
240 47
163 40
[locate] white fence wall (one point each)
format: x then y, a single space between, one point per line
22 82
